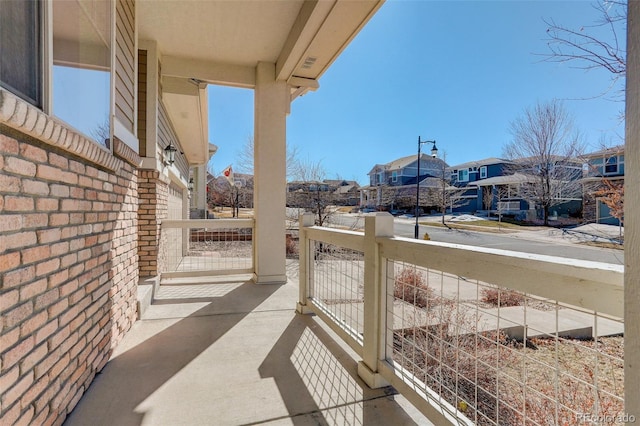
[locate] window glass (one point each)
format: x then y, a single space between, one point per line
81 66
483 172
612 165
20 49
463 175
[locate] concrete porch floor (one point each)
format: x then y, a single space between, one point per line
224 351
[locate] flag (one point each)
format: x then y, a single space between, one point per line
228 173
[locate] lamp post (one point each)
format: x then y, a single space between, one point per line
434 154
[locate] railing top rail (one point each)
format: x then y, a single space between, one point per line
592 285
345 238
208 223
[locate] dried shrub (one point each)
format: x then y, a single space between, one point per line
291 247
498 297
411 287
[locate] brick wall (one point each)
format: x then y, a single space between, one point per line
68 267
154 198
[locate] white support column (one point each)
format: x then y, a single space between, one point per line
632 218
306 219
271 104
375 225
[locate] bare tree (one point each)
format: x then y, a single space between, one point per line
600 45
544 148
245 158
309 191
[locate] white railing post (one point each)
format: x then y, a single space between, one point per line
304 253
375 225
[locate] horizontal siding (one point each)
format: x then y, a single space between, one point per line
125 65
142 101
166 134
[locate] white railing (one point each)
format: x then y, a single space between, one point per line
467 334
207 247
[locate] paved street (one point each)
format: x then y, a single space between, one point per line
552 243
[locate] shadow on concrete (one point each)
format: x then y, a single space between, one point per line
319 384
132 376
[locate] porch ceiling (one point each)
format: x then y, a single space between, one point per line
221 42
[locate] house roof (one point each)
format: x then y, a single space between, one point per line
503 180
484 162
221 42
403 162
618 149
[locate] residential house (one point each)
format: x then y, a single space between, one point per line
103 120
604 172
393 184
346 192
467 175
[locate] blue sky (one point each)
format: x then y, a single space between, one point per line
457 72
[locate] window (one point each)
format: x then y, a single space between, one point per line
21 50
394 176
82 65
611 165
463 175
483 172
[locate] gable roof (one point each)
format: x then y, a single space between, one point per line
484 162
403 162
618 149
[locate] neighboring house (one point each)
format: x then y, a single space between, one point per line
346 192
604 170
335 191
393 185
85 202
466 175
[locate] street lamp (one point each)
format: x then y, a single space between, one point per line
434 154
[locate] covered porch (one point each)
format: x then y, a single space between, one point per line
225 351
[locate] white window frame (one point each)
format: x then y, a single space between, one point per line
483 172
463 175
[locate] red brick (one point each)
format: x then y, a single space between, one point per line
46 331
35 187
29 326
10 222
9 261
9 338
9 377
34 391
58 278
56 175
9 299
17 314
47 267
45 365
58 161
33 153
47 204
58 219
77 167
28 291
59 191
35 220
10 417
25 419
8 145
48 235
9 183
19 166
14 393
14 203
21 239
34 357
36 254
46 299
60 248
15 354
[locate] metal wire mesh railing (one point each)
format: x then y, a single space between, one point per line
208 247
472 335
500 356
337 285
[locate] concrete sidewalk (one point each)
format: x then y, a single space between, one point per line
223 351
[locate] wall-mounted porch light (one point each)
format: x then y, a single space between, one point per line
190 186
170 154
